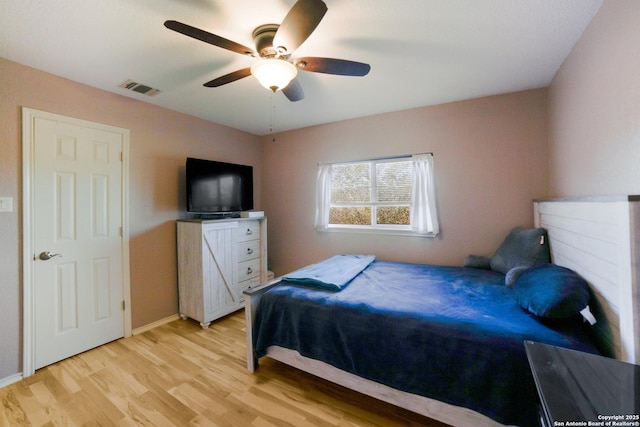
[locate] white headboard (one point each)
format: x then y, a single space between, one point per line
599 238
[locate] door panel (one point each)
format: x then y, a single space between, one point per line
66 302
219 263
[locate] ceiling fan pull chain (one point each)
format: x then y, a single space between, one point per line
273 114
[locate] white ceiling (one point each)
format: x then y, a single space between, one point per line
421 52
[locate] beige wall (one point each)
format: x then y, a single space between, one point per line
490 160
595 108
160 142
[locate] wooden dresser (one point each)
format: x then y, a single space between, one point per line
217 260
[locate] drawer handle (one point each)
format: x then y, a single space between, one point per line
249 232
249 270
249 251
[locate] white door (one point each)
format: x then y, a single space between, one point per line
79 261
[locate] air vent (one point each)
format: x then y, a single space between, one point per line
140 88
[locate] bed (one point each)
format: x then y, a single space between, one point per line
449 361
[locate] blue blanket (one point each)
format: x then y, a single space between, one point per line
333 274
448 333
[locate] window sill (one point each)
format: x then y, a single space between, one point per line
372 230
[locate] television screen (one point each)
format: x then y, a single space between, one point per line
216 187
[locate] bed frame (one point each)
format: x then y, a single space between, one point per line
599 238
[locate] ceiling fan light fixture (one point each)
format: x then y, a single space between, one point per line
274 74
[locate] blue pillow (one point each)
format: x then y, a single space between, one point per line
551 291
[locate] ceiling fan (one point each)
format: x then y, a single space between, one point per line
275 43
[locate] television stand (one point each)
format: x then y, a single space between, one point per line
217 261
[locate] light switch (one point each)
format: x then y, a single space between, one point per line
6 204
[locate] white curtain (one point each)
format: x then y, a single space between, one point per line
323 197
424 214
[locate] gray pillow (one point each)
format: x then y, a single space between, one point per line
477 261
513 274
521 248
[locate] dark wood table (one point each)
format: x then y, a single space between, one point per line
582 389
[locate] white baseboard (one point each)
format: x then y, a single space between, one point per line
155 324
10 380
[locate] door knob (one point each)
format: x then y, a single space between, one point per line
48 255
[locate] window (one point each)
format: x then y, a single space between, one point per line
395 194
373 193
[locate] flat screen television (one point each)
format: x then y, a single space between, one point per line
218 188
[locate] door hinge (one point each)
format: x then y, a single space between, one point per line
123 305
122 156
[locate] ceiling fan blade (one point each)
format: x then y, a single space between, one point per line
333 66
293 91
207 37
299 23
228 78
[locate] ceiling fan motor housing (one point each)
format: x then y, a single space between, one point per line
263 39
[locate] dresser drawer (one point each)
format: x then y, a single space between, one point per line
248 269
248 250
247 230
251 283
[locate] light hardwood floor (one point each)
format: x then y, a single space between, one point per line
179 375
